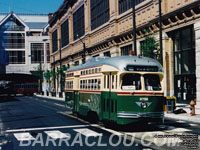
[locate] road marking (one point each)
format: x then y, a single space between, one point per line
87 132
57 134
23 136
179 130
59 105
46 128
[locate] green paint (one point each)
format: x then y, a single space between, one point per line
108 104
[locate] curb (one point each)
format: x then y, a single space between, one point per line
50 97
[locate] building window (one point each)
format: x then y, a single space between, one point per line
96 55
12 24
79 23
125 50
76 63
65 33
99 13
16 57
125 5
37 52
107 54
184 64
12 40
48 52
184 46
54 41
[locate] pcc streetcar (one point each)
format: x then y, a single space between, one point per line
124 90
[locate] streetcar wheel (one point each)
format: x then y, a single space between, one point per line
92 117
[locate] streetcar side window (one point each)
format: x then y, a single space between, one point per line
108 81
81 85
69 84
88 84
131 82
99 84
92 84
152 82
104 81
116 82
113 81
95 84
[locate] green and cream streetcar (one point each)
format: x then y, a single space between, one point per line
124 90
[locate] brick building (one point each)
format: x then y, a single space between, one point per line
105 27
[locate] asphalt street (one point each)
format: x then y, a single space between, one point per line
33 123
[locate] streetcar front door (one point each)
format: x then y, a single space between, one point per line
106 97
76 94
107 100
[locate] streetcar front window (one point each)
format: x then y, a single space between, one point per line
152 82
131 82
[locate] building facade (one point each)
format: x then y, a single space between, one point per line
104 28
22 42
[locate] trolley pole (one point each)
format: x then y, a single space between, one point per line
160 32
134 28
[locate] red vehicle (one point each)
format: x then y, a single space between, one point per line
26 88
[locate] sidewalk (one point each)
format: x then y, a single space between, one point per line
183 117
50 97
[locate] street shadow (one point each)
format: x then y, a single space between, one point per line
5 99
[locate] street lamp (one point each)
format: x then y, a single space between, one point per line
84 49
60 61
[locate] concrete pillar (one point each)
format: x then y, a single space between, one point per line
171 67
197 39
114 51
165 53
87 17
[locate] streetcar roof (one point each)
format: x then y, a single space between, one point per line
120 63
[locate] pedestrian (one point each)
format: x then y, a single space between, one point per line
192 105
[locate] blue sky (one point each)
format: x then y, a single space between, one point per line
30 6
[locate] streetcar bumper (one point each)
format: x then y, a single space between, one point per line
135 115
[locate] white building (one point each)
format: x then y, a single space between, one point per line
24 39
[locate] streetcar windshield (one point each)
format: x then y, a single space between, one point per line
152 82
131 82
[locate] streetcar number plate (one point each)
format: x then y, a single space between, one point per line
144 99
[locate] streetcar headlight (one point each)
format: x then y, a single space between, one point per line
144 105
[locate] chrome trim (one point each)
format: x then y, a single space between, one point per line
140 115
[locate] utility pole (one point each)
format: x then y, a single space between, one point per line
134 28
54 71
83 56
84 49
160 32
40 74
60 47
